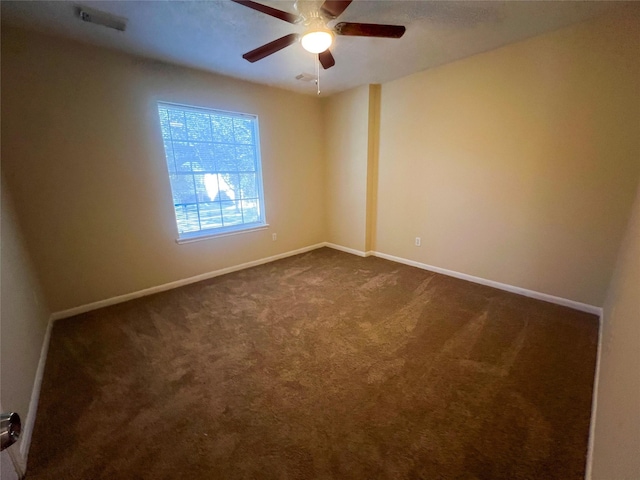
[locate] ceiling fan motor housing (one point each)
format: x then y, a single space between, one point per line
310 11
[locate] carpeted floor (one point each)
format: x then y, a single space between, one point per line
319 366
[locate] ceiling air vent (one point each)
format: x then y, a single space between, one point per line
306 77
102 18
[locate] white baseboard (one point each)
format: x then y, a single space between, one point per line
583 307
594 403
352 251
27 430
186 281
178 283
35 395
30 421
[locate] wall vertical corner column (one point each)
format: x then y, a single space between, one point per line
373 148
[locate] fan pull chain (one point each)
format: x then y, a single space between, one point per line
318 73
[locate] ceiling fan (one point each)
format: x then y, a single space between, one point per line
318 37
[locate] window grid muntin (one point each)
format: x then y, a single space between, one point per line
239 202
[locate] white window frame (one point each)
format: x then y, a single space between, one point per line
212 232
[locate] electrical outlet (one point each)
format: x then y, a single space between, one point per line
274 236
417 241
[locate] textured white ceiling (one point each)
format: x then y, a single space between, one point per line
213 35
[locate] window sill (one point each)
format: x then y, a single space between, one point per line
197 237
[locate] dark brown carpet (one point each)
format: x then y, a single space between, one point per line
319 366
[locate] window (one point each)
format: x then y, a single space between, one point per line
214 170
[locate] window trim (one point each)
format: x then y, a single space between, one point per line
209 233
233 230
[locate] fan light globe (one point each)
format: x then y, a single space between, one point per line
317 41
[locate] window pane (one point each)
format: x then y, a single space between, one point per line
177 124
210 215
198 126
245 158
231 213
204 152
164 123
182 188
183 156
222 128
225 158
196 157
233 182
243 130
213 161
187 218
217 188
168 149
251 210
202 193
248 188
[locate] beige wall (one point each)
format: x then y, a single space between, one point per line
7 472
617 423
373 155
352 130
517 165
23 319
346 117
85 162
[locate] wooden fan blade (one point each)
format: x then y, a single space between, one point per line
274 12
270 48
334 8
369 30
326 59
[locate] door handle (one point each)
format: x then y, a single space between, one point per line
10 428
